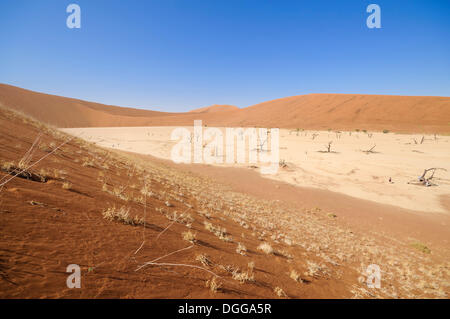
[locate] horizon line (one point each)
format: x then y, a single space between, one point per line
217 104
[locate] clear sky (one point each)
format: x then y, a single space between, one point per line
177 55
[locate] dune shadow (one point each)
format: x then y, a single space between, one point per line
153 227
3 274
262 284
263 271
205 244
80 193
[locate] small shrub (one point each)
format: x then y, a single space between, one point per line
122 215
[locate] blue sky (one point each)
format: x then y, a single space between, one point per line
177 55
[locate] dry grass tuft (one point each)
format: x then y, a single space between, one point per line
243 276
204 260
189 236
120 193
266 248
295 275
122 215
7 166
241 249
205 214
421 247
314 269
285 253
220 232
67 185
87 162
279 292
213 284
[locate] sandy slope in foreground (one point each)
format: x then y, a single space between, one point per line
54 215
347 169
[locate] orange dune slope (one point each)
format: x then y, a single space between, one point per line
68 112
215 108
313 111
352 111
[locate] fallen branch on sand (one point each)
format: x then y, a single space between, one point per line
183 265
370 150
424 180
154 262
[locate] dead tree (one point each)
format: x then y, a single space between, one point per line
425 179
261 145
421 140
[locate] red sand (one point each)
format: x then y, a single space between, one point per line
313 111
46 226
215 108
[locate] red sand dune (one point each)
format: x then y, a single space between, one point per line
215 108
312 111
68 112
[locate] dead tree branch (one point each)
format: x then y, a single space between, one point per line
370 150
426 181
